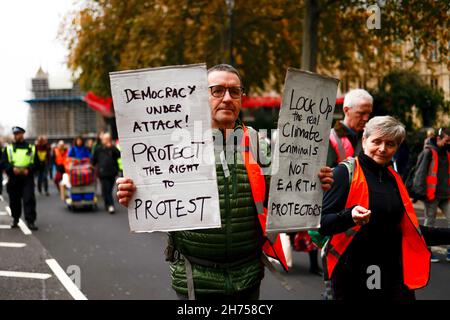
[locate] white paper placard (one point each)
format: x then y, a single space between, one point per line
306 114
164 126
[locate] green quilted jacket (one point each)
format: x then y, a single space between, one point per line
239 237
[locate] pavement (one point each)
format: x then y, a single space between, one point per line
27 270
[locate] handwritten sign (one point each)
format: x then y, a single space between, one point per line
164 125
295 198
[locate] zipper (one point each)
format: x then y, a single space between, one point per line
227 220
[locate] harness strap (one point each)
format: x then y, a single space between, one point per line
189 278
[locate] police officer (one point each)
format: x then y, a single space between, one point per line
19 161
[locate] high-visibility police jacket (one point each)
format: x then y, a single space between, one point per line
119 160
21 157
415 255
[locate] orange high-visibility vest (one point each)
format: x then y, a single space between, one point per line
415 254
341 146
258 186
432 178
60 156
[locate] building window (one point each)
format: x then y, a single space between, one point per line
434 82
434 52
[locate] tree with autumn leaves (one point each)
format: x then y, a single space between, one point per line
266 35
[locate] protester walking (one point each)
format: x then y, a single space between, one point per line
105 159
43 165
432 179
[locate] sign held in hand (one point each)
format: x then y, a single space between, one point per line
171 164
295 197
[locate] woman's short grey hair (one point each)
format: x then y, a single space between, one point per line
357 96
387 127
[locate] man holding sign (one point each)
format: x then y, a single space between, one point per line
225 264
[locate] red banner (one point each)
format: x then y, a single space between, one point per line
103 105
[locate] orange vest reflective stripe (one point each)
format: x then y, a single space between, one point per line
415 254
432 178
341 146
258 186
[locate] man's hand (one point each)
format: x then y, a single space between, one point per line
326 178
361 215
126 189
25 172
17 171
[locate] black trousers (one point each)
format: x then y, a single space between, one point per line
42 178
1 181
107 189
21 190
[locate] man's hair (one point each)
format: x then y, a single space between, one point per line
227 68
387 126
356 96
443 131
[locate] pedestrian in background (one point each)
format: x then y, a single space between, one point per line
20 161
43 165
105 159
60 155
431 133
432 179
345 136
79 150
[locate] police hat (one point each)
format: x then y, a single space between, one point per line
18 130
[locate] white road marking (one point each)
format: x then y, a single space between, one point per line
22 225
3 213
1 198
12 244
29 275
65 280
5 226
24 228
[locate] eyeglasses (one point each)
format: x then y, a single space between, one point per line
219 91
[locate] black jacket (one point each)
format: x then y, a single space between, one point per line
106 161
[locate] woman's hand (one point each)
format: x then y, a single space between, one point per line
326 178
361 215
125 190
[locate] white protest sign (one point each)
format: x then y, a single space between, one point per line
171 164
306 114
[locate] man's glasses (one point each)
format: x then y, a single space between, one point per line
219 91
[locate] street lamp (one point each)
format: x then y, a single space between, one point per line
230 7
